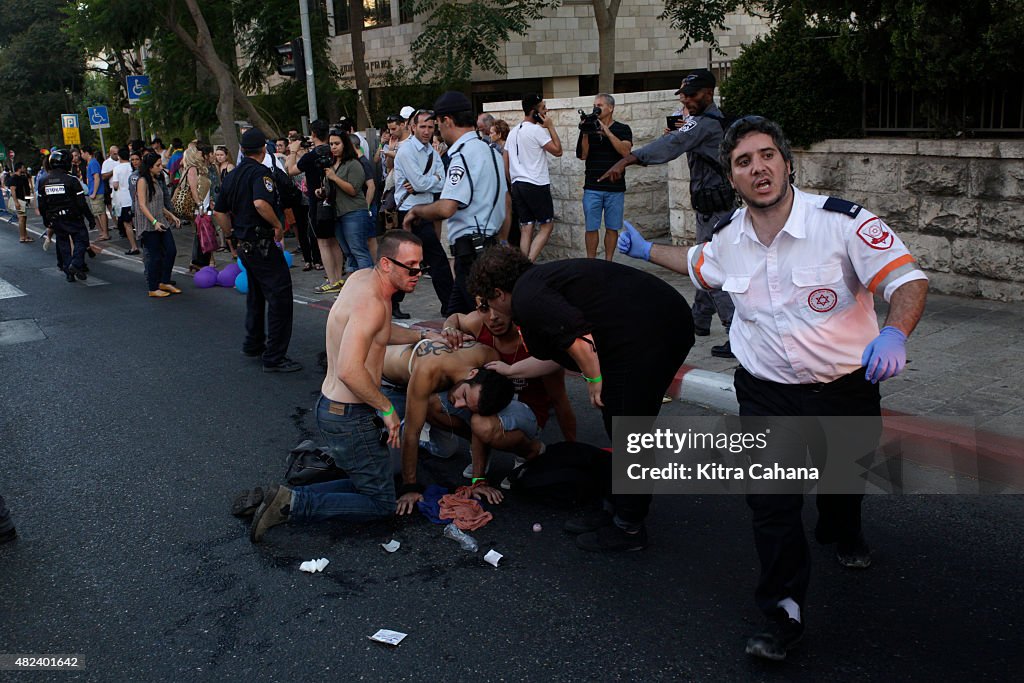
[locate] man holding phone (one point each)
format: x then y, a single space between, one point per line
528 145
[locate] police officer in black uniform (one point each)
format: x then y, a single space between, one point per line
247 209
62 205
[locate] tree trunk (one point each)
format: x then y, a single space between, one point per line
606 17
355 23
227 88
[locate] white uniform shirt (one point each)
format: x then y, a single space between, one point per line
804 306
527 159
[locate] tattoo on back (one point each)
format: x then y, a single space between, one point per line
429 347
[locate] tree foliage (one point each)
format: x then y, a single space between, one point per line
41 76
456 36
792 77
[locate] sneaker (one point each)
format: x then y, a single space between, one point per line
587 522
612 539
776 638
329 287
666 399
854 554
8 536
286 365
274 510
723 351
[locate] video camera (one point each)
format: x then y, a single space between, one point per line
588 122
323 158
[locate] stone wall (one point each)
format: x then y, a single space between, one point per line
647 189
958 204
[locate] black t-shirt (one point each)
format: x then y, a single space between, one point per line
314 174
250 181
19 184
629 312
602 156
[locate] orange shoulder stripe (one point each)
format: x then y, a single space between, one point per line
893 265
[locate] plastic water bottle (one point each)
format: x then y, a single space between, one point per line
466 542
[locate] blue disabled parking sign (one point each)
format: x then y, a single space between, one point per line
138 87
98 117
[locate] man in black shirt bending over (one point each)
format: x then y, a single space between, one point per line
602 143
625 330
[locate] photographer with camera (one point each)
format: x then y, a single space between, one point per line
528 145
711 195
321 218
603 142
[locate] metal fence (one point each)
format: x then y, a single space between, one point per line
981 110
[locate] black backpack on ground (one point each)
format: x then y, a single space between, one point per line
566 474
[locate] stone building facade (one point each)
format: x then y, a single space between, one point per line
559 55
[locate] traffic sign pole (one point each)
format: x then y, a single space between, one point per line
103 144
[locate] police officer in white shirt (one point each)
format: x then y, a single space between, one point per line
802 270
419 175
474 194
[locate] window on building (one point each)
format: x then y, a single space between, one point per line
376 14
405 13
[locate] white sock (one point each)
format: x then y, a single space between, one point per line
792 609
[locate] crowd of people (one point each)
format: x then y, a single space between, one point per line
792 275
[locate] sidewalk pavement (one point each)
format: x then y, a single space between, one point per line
965 359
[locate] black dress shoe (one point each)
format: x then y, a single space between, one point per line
854 554
776 638
701 331
722 351
252 354
396 313
286 365
612 539
69 273
587 522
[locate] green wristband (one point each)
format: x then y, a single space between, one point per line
592 380
389 411
476 479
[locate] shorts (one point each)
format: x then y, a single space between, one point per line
21 207
516 415
610 204
533 203
126 215
96 205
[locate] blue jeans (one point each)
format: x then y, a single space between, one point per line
611 204
354 441
350 229
158 254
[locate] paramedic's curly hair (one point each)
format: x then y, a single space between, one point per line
499 267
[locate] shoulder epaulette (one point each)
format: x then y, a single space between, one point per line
842 206
724 222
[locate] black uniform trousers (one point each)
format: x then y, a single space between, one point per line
5 517
435 258
268 303
75 230
634 386
778 525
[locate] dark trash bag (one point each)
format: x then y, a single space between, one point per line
566 474
309 464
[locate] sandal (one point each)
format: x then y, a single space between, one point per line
318 266
26 240
307 267
246 502
193 268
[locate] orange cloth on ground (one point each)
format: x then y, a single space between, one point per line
461 507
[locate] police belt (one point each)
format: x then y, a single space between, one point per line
471 246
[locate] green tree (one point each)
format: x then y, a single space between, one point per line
457 35
41 76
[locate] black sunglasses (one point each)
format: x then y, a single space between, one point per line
394 118
413 272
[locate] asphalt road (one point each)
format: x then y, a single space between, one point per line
129 423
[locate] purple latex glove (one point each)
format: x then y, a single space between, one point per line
632 243
885 356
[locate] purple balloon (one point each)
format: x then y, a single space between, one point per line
206 277
226 277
